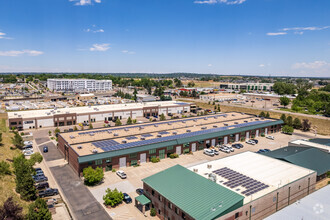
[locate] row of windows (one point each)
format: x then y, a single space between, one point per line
100 162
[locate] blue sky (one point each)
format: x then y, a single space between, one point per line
264 37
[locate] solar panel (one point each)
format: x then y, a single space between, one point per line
146 135
163 132
131 138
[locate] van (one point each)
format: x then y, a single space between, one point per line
209 152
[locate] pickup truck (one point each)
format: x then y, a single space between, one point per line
48 192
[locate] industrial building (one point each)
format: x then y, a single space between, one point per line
136 144
243 186
70 116
248 86
79 85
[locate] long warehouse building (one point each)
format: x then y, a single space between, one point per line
72 116
136 144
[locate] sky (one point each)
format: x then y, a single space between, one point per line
248 37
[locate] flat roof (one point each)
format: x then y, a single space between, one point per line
196 196
255 175
92 109
314 206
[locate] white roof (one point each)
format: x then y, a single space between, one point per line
267 170
92 109
86 95
314 206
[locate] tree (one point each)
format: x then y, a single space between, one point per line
219 110
162 117
191 84
282 88
4 168
262 114
90 126
135 93
35 158
296 123
118 122
289 121
306 125
49 133
177 82
267 115
285 101
129 121
11 210
17 140
57 130
113 197
91 176
38 210
153 212
283 118
287 129
75 128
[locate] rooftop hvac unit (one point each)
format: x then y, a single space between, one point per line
232 114
209 166
205 118
203 128
94 151
124 141
215 126
245 121
109 132
115 134
126 129
169 123
257 119
225 124
91 134
159 135
262 118
188 130
72 137
195 120
48 113
156 125
174 132
141 127
183 121
79 147
236 123
143 138
195 170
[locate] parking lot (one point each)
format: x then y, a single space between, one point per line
135 174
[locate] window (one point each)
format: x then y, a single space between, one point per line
170 205
152 151
159 211
236 214
183 215
108 160
152 192
253 210
170 148
98 162
160 198
274 199
176 210
90 163
133 155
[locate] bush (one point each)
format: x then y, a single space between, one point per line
262 114
267 115
287 129
297 123
113 170
11 210
39 210
113 197
172 156
152 212
155 160
22 133
262 135
91 176
5 168
242 139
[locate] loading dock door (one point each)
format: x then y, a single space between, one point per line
213 142
247 135
266 130
225 140
178 150
257 133
122 162
143 158
237 137
193 147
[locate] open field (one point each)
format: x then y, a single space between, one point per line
7 183
323 125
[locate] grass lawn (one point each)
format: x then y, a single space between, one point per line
7 183
322 124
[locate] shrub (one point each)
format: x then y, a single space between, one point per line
5 168
11 210
262 114
22 133
297 123
113 170
263 135
91 176
39 210
306 125
113 197
155 160
242 139
267 115
152 212
174 155
287 129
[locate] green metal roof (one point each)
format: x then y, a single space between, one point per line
197 196
126 151
324 141
143 199
308 157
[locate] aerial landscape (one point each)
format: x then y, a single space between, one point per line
171 110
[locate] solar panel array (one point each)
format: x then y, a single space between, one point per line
145 125
163 132
107 143
172 137
236 179
131 138
146 135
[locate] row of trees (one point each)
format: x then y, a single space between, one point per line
290 124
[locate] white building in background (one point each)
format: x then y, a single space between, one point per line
79 85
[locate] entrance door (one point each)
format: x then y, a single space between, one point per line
247 135
213 142
257 133
122 162
266 131
143 158
237 137
193 147
162 154
225 140
178 150
108 168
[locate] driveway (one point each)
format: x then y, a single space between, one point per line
52 154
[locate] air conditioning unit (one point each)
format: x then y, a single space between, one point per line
143 138
79 147
188 130
175 132
115 134
72 137
109 132
203 128
156 125
236 123
215 126
91 134
126 129
159 135
94 151
124 141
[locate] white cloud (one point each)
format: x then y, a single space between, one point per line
2 34
209 65
312 65
15 53
100 47
94 31
261 65
227 2
128 52
305 28
84 2
276 33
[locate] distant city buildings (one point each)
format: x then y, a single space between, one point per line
248 86
79 85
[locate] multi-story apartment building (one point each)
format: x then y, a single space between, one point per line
248 86
79 85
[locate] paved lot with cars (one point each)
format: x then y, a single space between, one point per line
52 154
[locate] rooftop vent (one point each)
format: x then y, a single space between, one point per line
245 121
225 124
159 135
169 123
257 119
143 138
91 134
195 120
209 166
236 123
109 132
195 170
115 134
215 126
205 118
141 127
156 125
72 137
183 121
188 130
124 141
232 114
79 147
126 129
203 128
94 151
174 132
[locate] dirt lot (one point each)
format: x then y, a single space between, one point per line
135 174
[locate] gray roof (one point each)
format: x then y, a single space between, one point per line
315 206
323 141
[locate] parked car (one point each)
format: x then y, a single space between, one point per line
38 175
28 153
139 191
53 200
267 150
70 129
127 198
48 192
45 149
224 149
250 142
209 152
27 147
40 179
38 172
38 168
28 143
215 151
237 146
255 141
270 137
230 148
261 151
42 185
121 174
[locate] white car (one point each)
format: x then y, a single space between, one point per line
121 174
231 149
250 142
224 149
28 153
270 137
28 142
215 151
209 152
